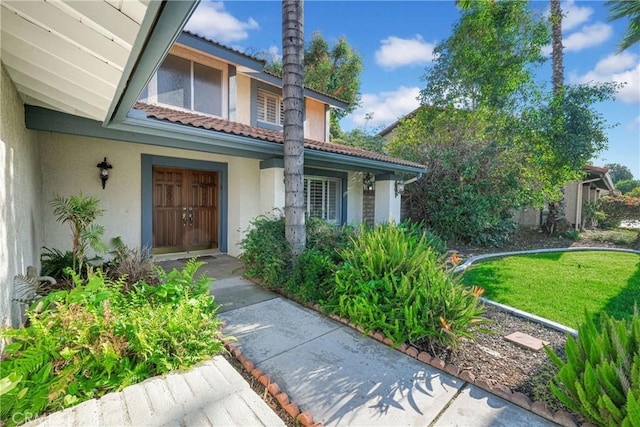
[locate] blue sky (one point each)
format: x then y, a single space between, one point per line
396 39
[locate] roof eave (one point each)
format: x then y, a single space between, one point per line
161 27
138 121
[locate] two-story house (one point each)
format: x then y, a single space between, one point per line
191 128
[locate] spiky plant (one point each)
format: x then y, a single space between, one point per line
601 377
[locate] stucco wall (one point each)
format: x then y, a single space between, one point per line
20 198
69 167
314 124
243 102
354 198
570 198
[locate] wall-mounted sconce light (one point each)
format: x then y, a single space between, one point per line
401 184
104 171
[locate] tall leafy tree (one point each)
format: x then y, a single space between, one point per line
491 138
489 58
293 129
619 172
630 9
332 70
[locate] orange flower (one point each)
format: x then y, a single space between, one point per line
445 325
455 259
477 291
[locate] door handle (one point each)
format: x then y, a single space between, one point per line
184 217
191 217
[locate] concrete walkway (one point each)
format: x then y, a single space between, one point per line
329 370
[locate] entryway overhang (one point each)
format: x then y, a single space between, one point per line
87 58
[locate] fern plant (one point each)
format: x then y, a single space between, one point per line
92 339
601 377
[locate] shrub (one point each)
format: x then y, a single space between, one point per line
132 265
601 377
393 281
627 185
313 275
618 208
93 339
634 192
266 252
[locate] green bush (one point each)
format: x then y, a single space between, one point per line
267 255
93 339
313 274
266 252
393 281
601 377
618 208
627 185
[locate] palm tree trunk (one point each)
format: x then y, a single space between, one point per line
556 220
293 129
556 44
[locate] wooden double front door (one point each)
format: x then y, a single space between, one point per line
185 210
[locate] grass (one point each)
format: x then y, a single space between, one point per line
559 286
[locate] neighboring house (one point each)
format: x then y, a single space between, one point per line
595 184
192 130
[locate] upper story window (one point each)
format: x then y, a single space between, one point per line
270 108
322 198
187 84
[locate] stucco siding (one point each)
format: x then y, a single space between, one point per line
314 124
69 167
571 197
20 198
243 102
354 198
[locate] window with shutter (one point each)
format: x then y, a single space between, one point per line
323 198
269 109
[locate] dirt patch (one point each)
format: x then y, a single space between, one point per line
497 361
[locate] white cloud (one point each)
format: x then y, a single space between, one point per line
395 52
588 36
212 21
386 107
634 125
274 54
573 15
619 68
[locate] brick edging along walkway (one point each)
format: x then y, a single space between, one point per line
540 408
273 388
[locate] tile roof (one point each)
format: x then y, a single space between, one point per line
225 126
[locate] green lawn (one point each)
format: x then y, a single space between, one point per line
558 286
